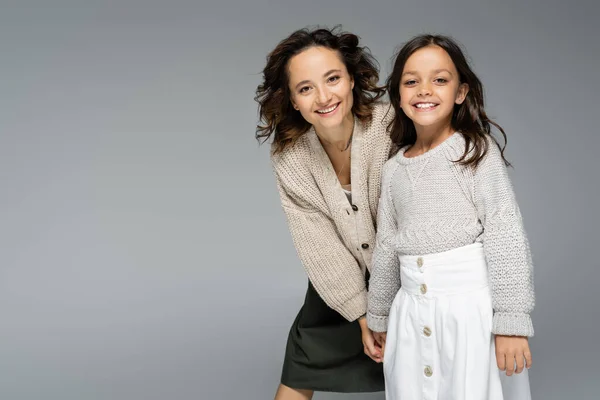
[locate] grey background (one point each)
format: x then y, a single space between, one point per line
143 251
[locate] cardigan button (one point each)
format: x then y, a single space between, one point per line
354 207
364 246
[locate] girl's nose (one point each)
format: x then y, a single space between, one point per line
424 90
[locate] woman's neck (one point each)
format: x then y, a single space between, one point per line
339 136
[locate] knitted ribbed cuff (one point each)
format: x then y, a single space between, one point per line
377 323
512 324
354 308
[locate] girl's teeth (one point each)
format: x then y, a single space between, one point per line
425 105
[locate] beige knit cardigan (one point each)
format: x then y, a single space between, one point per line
334 238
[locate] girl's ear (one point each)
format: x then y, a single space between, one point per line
463 89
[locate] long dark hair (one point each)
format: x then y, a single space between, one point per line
277 115
469 117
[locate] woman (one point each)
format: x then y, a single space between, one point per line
318 101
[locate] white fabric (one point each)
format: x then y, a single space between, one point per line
447 295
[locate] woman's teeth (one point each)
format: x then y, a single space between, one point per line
327 110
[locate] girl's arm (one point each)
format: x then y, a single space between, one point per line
506 247
385 272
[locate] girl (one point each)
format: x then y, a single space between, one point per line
318 101
452 280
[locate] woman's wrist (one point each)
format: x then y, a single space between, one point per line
362 321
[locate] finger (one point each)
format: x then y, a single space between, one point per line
528 358
510 364
520 363
370 349
501 360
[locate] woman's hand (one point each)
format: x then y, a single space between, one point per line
371 347
511 350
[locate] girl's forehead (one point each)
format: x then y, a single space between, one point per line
430 57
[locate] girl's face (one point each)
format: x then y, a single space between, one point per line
321 88
430 87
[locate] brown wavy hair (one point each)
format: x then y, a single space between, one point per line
277 115
469 117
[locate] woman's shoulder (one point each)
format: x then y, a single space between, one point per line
294 160
298 150
382 115
375 130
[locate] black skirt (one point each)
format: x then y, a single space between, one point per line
325 353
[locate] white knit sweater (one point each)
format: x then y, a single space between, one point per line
334 238
430 205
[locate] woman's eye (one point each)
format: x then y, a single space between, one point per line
304 89
334 78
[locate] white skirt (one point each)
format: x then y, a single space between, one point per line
439 343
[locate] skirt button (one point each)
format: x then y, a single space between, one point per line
428 371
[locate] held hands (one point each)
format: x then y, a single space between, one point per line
373 348
380 338
511 350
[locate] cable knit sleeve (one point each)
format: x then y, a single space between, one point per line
385 273
506 247
331 268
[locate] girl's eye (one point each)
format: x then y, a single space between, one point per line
410 82
334 78
440 80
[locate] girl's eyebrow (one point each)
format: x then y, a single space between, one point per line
437 71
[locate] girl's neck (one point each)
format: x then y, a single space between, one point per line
428 137
339 136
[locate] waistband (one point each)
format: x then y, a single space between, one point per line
455 271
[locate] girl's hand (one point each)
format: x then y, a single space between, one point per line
380 338
372 349
511 350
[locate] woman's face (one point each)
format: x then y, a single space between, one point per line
321 88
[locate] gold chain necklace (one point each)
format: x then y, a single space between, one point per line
337 174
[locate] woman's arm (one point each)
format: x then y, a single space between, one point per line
330 266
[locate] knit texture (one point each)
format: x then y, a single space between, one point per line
430 204
333 239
